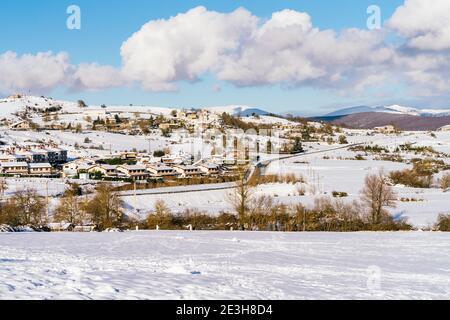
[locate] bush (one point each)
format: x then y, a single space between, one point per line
411 178
290 178
443 223
445 181
161 217
343 140
338 194
159 153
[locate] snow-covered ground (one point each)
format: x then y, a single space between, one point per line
322 176
225 265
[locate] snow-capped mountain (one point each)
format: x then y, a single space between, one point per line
394 109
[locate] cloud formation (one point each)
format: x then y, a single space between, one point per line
425 24
183 47
91 76
241 48
36 73
245 50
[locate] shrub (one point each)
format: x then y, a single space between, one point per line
159 153
411 178
290 178
445 181
343 140
338 194
443 223
161 217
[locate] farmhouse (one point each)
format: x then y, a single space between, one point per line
12 158
16 168
40 169
129 156
75 167
135 172
104 169
188 171
160 170
209 168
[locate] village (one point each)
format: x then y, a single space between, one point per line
219 149
63 154
260 151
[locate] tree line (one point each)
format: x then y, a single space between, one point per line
105 209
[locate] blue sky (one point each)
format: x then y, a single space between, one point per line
39 26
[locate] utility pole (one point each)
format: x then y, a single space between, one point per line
149 145
46 201
135 196
304 220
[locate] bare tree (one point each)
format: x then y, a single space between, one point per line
377 195
161 216
70 208
25 207
240 198
105 209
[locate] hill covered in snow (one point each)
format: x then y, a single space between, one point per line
12 105
393 109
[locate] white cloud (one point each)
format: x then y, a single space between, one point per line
183 47
91 76
240 48
36 73
425 24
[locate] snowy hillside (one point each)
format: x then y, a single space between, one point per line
10 106
394 109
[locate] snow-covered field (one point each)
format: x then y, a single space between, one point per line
323 176
225 265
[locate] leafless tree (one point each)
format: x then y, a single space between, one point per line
70 208
25 207
240 199
377 194
160 217
105 209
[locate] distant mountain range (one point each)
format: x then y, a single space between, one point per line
370 120
394 109
405 118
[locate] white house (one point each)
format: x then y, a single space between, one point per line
188 171
16 168
209 168
40 169
135 172
160 170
